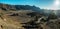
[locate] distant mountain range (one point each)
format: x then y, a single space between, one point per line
18 7
8 7
21 7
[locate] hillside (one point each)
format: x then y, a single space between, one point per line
13 19
18 7
28 17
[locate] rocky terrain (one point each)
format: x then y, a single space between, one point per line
28 17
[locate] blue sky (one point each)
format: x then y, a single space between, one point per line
38 3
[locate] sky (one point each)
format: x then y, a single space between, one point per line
45 4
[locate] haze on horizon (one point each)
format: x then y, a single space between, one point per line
43 4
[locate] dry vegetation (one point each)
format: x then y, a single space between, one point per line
10 21
13 20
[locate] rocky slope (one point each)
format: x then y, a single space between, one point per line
27 17
13 19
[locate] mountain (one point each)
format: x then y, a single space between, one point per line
8 7
16 16
18 7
